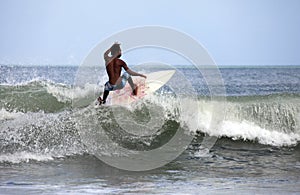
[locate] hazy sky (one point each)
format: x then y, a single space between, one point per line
235 32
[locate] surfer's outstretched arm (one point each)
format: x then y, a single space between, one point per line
132 73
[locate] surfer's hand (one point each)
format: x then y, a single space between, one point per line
144 76
115 43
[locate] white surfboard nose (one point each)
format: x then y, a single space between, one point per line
156 80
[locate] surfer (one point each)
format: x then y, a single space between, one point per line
114 66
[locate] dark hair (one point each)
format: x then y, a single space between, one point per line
115 49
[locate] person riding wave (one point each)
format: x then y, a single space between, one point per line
114 67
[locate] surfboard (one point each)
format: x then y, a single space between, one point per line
147 86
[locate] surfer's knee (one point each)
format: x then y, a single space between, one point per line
126 75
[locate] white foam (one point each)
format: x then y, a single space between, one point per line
202 153
249 131
19 157
64 93
236 128
22 83
6 115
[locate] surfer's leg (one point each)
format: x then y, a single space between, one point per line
133 86
127 77
107 87
105 94
130 81
103 101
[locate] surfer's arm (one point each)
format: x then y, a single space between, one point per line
106 57
106 54
132 73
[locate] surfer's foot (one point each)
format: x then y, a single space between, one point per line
101 101
135 90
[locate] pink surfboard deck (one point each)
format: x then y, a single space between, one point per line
147 86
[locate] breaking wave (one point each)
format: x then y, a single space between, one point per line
37 121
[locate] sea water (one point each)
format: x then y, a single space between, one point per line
256 150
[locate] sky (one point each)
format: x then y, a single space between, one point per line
234 32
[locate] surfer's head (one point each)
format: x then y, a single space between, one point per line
116 50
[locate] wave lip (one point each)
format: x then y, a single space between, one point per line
271 120
35 96
249 131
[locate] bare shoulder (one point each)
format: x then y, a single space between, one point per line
122 64
120 61
108 59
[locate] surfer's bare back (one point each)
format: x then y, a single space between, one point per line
114 67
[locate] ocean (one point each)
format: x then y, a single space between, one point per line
49 146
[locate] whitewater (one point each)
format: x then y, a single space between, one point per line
39 124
